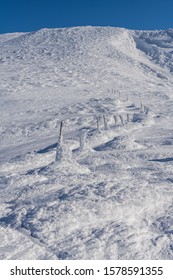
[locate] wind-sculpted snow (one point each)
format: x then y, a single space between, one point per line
109 195
158 45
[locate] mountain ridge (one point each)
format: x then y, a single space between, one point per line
78 47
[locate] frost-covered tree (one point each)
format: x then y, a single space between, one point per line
59 149
121 119
105 122
82 139
115 119
98 125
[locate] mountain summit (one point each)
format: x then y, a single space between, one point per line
71 55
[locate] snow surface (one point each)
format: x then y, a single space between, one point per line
111 194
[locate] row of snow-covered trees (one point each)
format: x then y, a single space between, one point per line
102 123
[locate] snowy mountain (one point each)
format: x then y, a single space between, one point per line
109 194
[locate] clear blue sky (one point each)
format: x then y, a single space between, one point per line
30 15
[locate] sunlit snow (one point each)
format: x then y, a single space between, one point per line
109 194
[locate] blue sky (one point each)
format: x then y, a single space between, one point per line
30 15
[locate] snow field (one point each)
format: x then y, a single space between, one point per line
110 196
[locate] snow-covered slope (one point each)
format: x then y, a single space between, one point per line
110 196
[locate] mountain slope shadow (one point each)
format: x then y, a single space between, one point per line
47 149
162 159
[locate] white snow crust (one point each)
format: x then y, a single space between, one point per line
111 194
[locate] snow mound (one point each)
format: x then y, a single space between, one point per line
120 143
11 247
